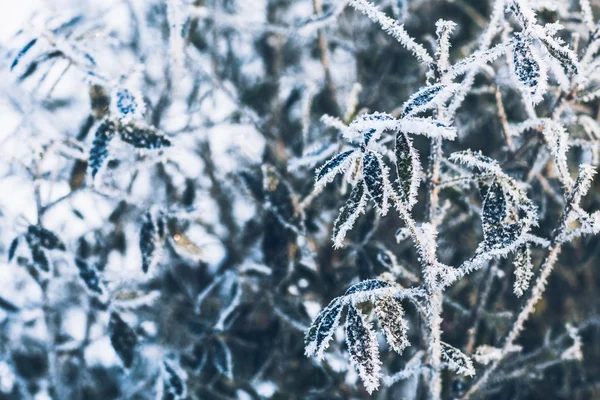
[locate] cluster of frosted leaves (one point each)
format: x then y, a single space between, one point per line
173 385
507 213
360 335
123 339
457 360
135 134
530 70
39 241
373 181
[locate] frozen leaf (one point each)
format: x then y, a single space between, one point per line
528 69
408 169
39 257
222 358
457 360
126 104
21 53
123 339
46 238
523 269
558 142
428 127
143 137
362 346
367 286
12 249
99 150
494 206
333 167
477 161
565 56
502 237
390 314
89 275
427 98
368 135
174 383
353 208
371 126
149 242
318 336
375 178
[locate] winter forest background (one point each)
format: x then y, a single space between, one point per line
309 199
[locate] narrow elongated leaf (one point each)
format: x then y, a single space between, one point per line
148 242
523 269
334 166
363 349
12 249
322 329
21 53
408 169
390 314
122 338
99 150
418 101
565 56
367 286
457 360
353 208
222 358
375 178
428 127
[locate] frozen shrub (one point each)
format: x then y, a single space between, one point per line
312 199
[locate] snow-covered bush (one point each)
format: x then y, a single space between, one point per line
300 199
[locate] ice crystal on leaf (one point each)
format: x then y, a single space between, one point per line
408 169
391 318
375 176
457 360
362 346
354 207
523 269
